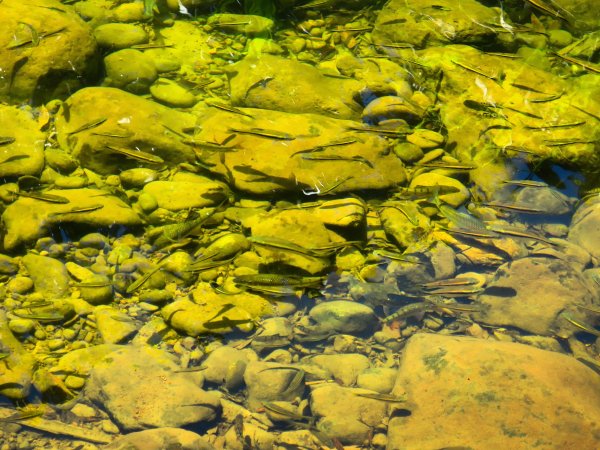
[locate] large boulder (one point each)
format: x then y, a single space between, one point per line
95 120
45 50
472 393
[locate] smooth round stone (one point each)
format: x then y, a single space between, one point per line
129 12
74 382
60 160
163 60
391 107
130 70
425 139
344 316
55 344
70 182
170 93
138 176
559 38
408 152
21 326
20 285
147 202
100 294
155 296
94 240
454 199
120 35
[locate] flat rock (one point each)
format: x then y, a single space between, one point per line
464 392
265 82
343 367
514 298
114 326
140 388
120 35
344 415
226 365
268 382
27 218
66 51
160 439
433 22
278 160
126 115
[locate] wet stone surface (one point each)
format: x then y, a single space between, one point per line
329 224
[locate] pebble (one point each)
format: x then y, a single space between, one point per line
172 94
343 316
425 139
20 285
21 326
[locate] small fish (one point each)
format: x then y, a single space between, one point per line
263 279
329 189
578 62
137 154
261 132
424 191
355 158
565 142
455 291
583 110
228 108
49 316
168 234
230 24
6 140
515 207
526 183
82 209
50 198
262 82
149 46
381 397
516 232
459 281
497 78
447 165
462 220
378 130
558 125
549 98
14 158
582 326
322 147
92 284
138 283
396 256
89 125
546 8
268 241
527 88
481 234
22 415
315 4
270 406
504 55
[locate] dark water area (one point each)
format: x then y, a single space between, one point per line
299 225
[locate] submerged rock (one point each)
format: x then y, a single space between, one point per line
434 22
16 371
271 152
451 383
29 218
139 388
25 154
513 297
49 275
160 439
52 67
265 82
113 112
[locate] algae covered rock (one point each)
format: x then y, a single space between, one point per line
120 35
46 48
434 22
28 218
16 373
99 113
23 143
130 70
464 392
211 312
49 275
272 151
171 93
265 82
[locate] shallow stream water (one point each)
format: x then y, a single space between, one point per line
277 225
